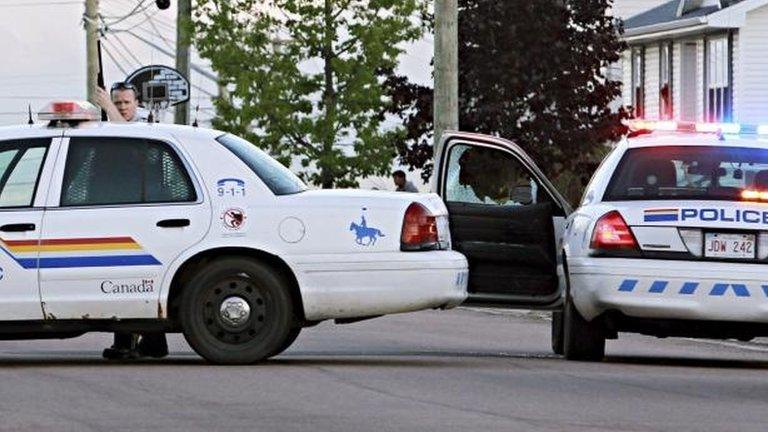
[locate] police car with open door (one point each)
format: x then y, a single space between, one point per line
671 238
506 218
150 227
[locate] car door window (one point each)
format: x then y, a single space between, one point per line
20 164
482 175
104 171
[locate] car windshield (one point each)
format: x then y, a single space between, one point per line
688 172
279 179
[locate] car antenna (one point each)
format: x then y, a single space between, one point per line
197 107
30 121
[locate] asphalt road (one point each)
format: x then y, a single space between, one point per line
462 370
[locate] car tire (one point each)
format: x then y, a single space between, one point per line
292 335
557 332
582 339
237 311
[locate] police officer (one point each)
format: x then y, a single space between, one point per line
122 107
121 104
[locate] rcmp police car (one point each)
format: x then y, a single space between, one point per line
148 227
671 238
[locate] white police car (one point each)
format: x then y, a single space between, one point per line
671 238
148 227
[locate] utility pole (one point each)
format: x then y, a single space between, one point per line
446 109
183 20
91 45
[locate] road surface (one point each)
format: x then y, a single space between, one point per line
460 370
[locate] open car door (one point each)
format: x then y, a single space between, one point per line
505 217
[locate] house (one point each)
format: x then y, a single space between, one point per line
628 8
698 60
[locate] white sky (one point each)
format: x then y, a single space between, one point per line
42 43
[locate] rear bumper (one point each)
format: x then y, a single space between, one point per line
361 285
663 289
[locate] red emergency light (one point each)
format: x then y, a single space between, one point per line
69 111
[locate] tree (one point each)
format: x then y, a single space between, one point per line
530 71
303 78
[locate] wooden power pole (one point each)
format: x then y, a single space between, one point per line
91 45
446 110
183 21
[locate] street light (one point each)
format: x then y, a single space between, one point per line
163 4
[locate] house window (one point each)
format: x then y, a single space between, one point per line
665 81
718 73
638 81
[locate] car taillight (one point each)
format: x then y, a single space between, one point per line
611 232
419 229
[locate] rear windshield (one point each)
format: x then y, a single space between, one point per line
279 179
688 172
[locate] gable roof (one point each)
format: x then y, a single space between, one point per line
672 11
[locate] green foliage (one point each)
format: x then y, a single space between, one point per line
530 71
303 78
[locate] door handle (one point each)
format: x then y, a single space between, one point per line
173 223
20 227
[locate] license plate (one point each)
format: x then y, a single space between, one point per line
719 245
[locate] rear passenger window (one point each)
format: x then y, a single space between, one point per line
20 165
104 171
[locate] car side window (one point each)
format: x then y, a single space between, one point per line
482 175
108 171
20 165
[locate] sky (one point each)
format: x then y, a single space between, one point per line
43 44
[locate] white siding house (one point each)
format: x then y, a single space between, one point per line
698 60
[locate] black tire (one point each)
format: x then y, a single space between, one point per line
583 340
292 335
262 328
557 332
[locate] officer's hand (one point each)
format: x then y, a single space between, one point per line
102 98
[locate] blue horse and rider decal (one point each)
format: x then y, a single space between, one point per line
363 232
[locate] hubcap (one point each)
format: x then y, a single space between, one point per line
235 311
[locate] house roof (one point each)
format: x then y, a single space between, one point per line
687 17
667 12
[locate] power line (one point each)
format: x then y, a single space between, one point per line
116 49
33 97
109 54
37 75
148 17
158 33
41 3
168 44
195 67
128 50
135 10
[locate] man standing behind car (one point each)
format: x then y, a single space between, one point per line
122 107
401 183
122 104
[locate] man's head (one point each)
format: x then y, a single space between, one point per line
399 177
125 99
